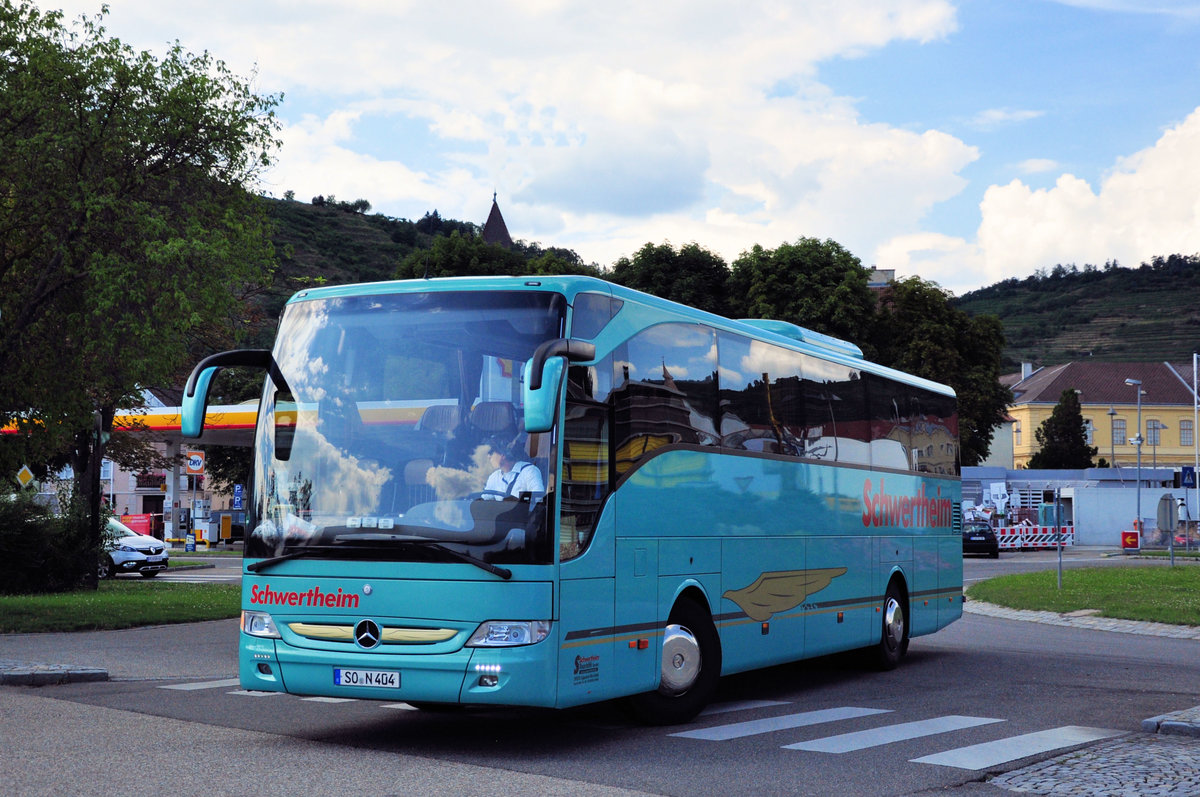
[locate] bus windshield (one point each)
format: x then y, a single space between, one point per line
396 431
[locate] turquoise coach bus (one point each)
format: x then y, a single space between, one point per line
711 496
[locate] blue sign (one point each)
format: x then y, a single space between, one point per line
1188 476
239 492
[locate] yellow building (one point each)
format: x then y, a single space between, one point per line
1108 397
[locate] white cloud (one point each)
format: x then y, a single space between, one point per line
602 126
1148 204
1037 165
1183 9
993 118
953 263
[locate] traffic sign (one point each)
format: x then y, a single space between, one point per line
195 463
239 496
24 475
1187 476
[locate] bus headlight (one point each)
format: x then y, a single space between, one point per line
259 624
509 633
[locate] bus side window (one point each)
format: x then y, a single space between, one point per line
839 428
891 423
934 433
762 405
586 469
665 391
591 313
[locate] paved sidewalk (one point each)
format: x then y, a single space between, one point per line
1164 760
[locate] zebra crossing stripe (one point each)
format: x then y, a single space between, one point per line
743 705
737 730
329 699
990 754
874 737
203 685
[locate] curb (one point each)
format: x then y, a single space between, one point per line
1179 723
181 568
15 673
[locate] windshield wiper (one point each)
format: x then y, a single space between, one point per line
344 542
283 557
502 572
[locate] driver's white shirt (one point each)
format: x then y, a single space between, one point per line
523 478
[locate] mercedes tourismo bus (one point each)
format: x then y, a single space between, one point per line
711 496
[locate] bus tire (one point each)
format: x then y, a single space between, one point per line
893 635
690 663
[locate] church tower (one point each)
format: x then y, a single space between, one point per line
495 231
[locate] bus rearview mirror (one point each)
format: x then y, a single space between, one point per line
541 402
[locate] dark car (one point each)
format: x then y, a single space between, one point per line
979 538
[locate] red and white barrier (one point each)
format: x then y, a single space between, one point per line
1016 537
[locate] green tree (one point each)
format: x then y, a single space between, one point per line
465 254
919 331
458 255
1063 437
692 275
816 284
127 231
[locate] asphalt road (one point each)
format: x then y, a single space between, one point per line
172 719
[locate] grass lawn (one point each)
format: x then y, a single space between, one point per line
1156 594
119 603
1159 594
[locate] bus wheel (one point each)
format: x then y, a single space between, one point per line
893 641
690 667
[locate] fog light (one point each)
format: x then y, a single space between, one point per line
489 680
264 668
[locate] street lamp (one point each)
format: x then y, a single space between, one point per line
1112 436
1156 428
1136 384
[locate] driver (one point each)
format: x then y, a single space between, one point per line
513 474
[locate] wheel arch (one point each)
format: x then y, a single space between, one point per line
898 577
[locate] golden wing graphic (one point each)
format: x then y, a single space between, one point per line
772 593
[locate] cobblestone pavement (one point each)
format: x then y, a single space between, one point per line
1164 760
1138 765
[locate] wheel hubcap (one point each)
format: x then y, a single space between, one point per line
680 660
893 623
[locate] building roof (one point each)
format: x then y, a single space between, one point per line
1104 383
495 231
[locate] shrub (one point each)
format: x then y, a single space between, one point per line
41 551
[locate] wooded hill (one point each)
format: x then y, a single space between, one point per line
327 242
1112 313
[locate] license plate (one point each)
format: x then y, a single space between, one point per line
388 679
154 558
977 539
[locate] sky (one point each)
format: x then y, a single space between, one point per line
961 141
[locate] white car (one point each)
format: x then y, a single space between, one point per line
126 551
